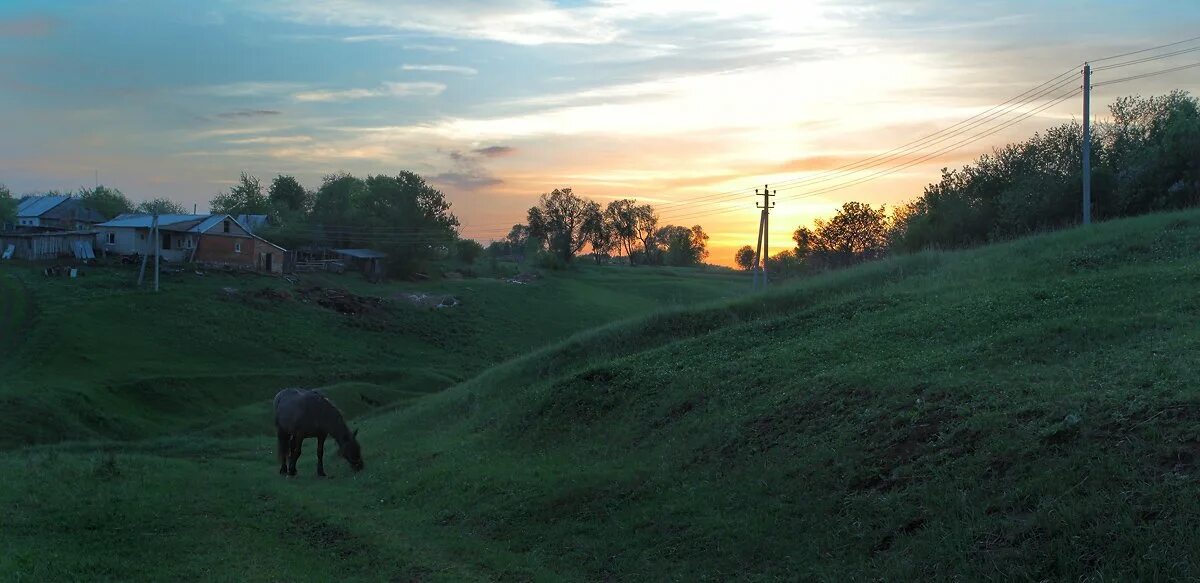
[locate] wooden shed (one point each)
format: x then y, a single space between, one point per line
48 245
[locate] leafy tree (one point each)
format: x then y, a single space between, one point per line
8 207
621 216
286 194
806 242
245 198
744 257
598 233
858 232
468 250
334 204
109 202
682 246
558 219
405 217
646 221
162 206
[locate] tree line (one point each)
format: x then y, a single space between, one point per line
563 224
1146 158
109 202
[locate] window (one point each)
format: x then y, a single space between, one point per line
237 247
112 238
187 243
227 228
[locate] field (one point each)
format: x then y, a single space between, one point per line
1023 411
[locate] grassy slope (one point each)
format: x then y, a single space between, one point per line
1023 411
103 360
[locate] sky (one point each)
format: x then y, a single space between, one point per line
683 104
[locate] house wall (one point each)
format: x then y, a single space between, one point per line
261 250
130 240
220 248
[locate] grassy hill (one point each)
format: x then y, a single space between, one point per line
1023 411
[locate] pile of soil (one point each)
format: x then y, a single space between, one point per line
340 300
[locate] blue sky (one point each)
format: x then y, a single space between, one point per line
496 102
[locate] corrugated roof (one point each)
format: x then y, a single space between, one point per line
252 222
34 206
361 253
144 221
208 223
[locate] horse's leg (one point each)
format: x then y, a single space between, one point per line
282 449
294 455
321 456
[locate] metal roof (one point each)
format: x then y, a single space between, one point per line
145 221
361 253
34 206
252 222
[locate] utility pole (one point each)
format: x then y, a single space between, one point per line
1087 144
764 228
157 248
146 254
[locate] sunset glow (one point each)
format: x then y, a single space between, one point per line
498 102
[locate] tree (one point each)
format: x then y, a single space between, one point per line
646 221
621 217
558 219
8 207
405 217
744 257
286 194
682 246
335 201
161 206
468 250
109 202
245 198
598 232
858 232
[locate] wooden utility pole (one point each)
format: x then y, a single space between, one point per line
1087 144
763 244
157 248
146 252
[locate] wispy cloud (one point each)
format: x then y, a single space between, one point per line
431 48
441 69
420 88
244 113
271 140
495 151
248 89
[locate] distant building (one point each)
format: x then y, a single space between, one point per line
208 239
253 223
55 213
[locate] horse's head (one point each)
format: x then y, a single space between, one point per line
352 452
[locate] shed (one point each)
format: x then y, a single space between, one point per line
369 261
49 245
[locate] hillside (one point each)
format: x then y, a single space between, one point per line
1021 411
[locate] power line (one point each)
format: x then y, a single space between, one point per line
1146 59
1177 43
1144 75
965 141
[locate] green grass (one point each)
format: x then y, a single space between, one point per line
1026 411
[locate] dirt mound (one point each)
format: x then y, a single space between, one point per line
340 300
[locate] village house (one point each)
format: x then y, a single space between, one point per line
55 213
205 239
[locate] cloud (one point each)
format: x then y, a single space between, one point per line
468 172
441 69
494 151
248 89
36 26
420 88
431 48
272 140
244 113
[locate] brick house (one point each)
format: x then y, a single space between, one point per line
205 239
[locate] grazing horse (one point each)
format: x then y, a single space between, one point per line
300 414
